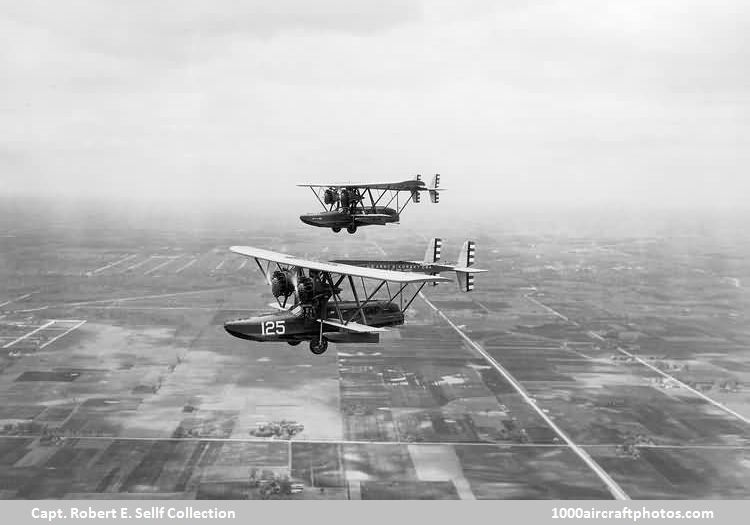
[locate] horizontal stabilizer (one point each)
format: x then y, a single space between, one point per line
465 269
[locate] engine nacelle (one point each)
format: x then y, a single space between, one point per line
305 290
346 197
331 196
310 289
282 284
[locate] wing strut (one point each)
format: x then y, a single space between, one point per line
335 298
361 201
382 193
318 197
393 196
338 282
260 267
400 291
320 335
404 206
359 310
356 297
413 297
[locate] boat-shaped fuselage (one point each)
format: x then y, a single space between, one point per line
293 325
379 215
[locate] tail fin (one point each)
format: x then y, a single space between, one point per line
433 189
465 267
432 255
415 194
466 255
465 280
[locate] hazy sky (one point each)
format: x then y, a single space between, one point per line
627 102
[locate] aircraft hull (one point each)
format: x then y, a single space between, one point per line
341 219
292 326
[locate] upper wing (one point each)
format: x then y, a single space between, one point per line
407 185
343 269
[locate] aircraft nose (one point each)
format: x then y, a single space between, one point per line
230 326
236 327
306 219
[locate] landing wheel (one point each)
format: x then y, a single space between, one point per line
352 228
318 347
293 343
336 229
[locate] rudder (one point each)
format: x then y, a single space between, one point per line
465 280
415 193
464 267
432 254
433 189
466 255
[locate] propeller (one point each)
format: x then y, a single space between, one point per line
295 283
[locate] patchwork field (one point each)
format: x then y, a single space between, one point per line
579 368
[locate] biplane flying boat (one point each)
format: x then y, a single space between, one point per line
431 264
311 305
351 205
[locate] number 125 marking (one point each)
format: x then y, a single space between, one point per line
273 327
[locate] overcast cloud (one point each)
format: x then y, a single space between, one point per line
632 102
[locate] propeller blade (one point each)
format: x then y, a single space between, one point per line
295 283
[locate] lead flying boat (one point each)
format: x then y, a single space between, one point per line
311 303
351 205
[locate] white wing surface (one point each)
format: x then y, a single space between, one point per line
406 185
341 269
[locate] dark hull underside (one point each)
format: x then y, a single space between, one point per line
340 219
298 328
